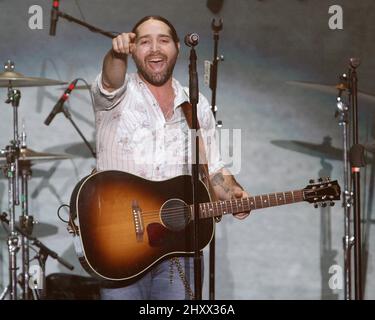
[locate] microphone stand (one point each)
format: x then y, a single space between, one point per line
194 98
213 85
36 242
84 24
68 115
44 251
216 28
355 164
343 115
92 28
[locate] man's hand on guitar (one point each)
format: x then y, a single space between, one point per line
226 188
239 193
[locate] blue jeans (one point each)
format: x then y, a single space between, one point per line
163 282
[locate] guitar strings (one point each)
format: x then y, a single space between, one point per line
174 213
180 209
177 211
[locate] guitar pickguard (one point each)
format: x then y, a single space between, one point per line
157 235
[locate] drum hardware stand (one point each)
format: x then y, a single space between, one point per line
26 221
4 293
12 152
213 67
43 253
343 114
17 165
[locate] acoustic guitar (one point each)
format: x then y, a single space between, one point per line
127 224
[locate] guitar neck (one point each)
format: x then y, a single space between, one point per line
219 208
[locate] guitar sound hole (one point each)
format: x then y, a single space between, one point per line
175 214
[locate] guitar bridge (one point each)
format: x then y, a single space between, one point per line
138 221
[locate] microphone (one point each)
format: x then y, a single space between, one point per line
354 62
54 17
59 105
191 39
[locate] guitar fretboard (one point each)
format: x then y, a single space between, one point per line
218 208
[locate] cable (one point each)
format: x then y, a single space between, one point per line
80 11
58 213
5 227
83 18
89 87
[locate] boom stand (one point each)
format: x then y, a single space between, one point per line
194 98
213 85
353 89
343 114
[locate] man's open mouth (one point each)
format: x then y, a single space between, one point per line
156 64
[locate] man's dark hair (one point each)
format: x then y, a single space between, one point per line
159 18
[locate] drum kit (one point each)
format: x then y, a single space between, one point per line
16 162
353 158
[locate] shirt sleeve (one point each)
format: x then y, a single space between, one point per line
210 135
104 99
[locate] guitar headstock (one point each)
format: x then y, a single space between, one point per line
324 191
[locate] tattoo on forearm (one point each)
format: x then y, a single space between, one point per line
227 183
218 180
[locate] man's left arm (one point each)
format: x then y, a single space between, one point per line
226 187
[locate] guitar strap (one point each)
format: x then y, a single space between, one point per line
203 165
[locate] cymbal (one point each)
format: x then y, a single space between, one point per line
324 150
16 79
27 154
327 88
74 149
40 229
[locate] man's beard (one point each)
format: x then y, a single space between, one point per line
155 78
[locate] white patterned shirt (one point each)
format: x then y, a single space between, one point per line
132 134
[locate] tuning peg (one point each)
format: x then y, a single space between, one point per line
315 205
320 179
328 179
311 181
331 204
323 204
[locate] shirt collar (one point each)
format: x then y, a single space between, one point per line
181 95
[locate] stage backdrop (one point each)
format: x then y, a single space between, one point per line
289 133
